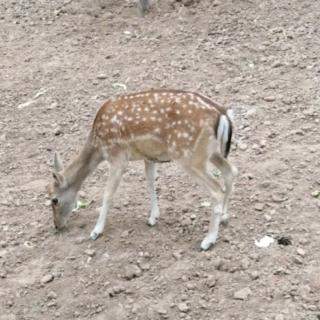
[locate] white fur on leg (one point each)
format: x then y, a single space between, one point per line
113 181
212 235
150 176
99 227
154 216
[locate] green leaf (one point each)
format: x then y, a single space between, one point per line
82 205
116 85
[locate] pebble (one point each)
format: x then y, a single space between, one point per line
259 206
145 266
191 286
245 263
115 290
52 303
279 198
183 307
90 252
269 98
297 260
177 255
132 271
301 252
242 146
212 281
52 295
254 275
242 294
47 278
3 274
101 76
161 310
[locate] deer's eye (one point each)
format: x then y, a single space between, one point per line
54 201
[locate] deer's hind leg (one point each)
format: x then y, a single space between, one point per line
228 172
197 165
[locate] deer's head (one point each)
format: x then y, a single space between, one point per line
62 196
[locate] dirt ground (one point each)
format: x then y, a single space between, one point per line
60 59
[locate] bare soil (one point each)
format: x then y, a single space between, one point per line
60 59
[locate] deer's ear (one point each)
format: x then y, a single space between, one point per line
59 178
57 163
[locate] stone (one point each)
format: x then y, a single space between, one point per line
242 146
183 307
115 290
254 275
301 252
211 282
47 278
269 98
161 310
101 76
90 252
259 206
52 295
245 263
242 294
298 260
132 271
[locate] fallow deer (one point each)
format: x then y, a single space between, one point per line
154 126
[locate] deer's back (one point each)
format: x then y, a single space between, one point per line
164 120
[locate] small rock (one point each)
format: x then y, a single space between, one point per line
177 255
132 271
242 146
3 274
267 217
52 295
245 263
191 286
90 252
58 132
297 260
52 303
145 266
183 307
269 98
242 294
259 206
161 310
218 263
101 76
301 252
212 281
125 234
254 275
115 290
279 198
47 278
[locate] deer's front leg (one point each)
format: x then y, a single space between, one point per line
115 173
150 176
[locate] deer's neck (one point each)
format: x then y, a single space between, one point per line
82 166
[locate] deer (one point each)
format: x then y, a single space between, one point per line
156 126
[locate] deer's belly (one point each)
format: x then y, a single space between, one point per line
151 150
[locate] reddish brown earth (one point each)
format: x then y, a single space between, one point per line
59 60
